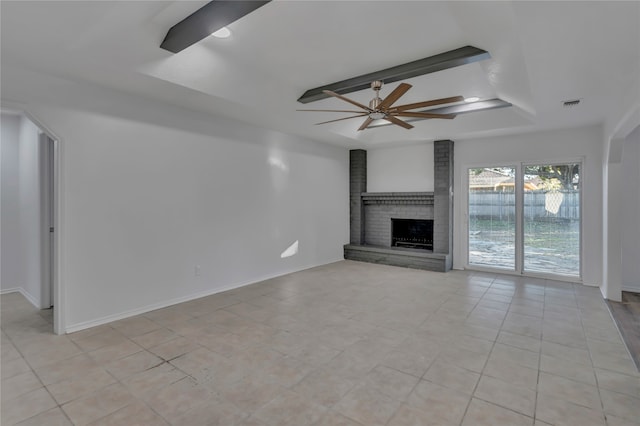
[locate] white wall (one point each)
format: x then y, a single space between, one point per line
630 212
21 226
149 191
614 135
402 169
539 147
10 276
29 210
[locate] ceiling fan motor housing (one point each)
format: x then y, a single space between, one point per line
375 102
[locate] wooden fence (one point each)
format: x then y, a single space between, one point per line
564 205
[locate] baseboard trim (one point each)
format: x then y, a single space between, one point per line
138 311
35 302
631 288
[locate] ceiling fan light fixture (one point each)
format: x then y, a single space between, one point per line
472 99
377 115
222 33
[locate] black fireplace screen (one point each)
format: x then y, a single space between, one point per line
412 233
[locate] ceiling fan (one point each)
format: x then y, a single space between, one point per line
382 109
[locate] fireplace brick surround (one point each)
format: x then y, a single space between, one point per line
380 208
371 214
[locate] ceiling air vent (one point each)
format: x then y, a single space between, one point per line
570 103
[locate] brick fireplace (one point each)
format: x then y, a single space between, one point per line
422 220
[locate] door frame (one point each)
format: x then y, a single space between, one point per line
57 260
46 170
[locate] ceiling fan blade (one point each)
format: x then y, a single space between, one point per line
423 115
392 119
428 103
329 110
366 123
394 96
344 118
336 95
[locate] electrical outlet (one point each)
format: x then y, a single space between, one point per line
196 270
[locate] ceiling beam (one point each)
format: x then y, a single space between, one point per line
454 109
442 61
205 21
470 107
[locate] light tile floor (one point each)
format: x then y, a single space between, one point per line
342 345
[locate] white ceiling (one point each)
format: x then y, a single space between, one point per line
542 53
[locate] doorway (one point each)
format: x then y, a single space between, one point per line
30 254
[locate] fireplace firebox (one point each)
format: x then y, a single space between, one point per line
412 233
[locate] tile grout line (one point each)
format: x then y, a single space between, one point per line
544 310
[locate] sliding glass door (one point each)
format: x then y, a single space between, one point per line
552 219
525 218
492 217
